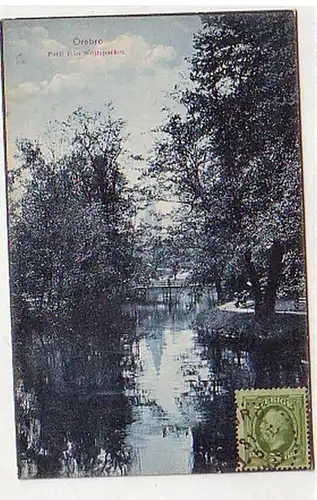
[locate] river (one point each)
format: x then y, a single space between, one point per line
160 403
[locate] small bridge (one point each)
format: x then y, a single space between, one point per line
163 284
166 290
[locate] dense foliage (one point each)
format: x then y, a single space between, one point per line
71 223
233 156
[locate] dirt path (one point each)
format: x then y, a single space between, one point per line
230 306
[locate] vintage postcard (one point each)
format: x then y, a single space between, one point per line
156 244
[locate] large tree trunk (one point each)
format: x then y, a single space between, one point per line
264 303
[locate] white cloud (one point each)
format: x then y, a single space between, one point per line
50 45
37 32
25 91
37 42
69 82
160 53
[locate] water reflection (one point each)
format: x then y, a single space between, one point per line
157 398
184 421
72 421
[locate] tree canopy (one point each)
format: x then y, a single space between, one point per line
71 224
233 156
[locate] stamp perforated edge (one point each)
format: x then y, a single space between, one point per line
241 466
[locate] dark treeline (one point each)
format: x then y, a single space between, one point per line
232 158
71 231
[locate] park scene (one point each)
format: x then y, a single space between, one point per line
156 238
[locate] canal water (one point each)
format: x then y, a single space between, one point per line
161 402
175 385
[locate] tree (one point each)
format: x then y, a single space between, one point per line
233 158
71 230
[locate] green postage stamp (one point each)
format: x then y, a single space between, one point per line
272 429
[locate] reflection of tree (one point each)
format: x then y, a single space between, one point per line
261 364
278 359
152 321
79 402
214 438
156 346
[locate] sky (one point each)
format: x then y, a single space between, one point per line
45 80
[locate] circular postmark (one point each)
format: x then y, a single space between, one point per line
274 429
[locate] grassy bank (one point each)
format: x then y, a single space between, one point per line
216 325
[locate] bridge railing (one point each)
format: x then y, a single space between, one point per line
172 283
